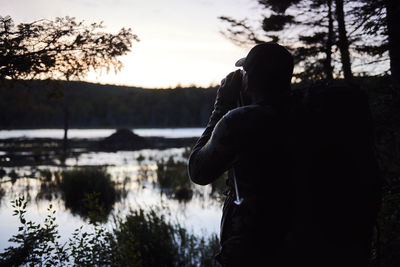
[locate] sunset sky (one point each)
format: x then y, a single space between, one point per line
180 39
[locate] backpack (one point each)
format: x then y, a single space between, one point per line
337 186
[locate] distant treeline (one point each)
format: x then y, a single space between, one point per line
40 104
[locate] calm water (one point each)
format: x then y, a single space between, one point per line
201 214
100 133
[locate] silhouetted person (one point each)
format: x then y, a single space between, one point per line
251 142
303 180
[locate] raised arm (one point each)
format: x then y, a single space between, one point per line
213 153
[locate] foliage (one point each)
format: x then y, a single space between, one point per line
77 184
315 31
49 187
173 176
27 106
166 244
141 239
144 172
63 48
37 244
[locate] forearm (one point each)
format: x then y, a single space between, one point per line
201 161
209 158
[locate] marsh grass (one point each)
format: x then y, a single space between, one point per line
172 175
142 238
77 183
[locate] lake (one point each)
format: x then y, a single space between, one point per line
100 133
137 171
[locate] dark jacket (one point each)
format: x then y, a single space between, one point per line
308 175
252 142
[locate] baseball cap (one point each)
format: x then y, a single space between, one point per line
268 55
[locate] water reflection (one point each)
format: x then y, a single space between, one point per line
123 180
78 184
172 176
49 185
99 133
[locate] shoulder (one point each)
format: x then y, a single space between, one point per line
250 111
240 121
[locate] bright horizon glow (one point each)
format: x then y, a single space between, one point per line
180 42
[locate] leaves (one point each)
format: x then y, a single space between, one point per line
276 22
299 24
63 48
142 238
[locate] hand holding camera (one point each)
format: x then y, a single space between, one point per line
228 93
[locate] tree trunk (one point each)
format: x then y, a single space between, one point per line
66 125
329 41
393 21
343 42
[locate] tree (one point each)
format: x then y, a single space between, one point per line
305 27
343 42
59 49
392 20
316 30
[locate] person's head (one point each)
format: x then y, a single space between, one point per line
269 69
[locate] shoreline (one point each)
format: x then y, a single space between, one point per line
49 151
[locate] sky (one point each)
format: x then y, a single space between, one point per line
180 40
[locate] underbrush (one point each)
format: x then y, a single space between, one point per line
142 238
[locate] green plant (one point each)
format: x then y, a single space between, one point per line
38 244
172 175
75 184
142 238
144 171
163 243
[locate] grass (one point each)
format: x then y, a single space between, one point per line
142 238
77 183
172 175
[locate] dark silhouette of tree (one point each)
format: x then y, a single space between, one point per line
311 45
393 27
369 31
343 42
379 22
59 49
321 34
314 54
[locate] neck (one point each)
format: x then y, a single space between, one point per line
267 100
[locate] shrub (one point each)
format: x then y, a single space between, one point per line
76 184
172 176
142 238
